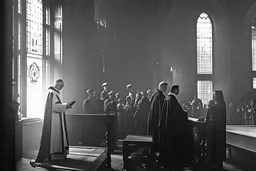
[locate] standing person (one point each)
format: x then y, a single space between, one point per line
98 103
128 112
216 130
141 114
149 94
104 93
174 140
155 110
196 107
54 139
131 93
89 106
253 103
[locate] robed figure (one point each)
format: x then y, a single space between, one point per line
54 140
216 130
174 141
155 110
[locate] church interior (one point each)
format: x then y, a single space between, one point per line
108 56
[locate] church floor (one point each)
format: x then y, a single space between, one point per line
240 161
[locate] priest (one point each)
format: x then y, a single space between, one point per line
155 110
174 137
54 140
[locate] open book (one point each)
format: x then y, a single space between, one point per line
71 103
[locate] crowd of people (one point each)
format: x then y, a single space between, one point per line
240 113
131 110
166 120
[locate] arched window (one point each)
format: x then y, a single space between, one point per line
204 57
204 44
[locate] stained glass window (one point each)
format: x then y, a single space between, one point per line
204 44
34 88
204 91
34 20
253 48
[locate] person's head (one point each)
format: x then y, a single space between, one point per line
59 84
119 100
163 86
144 93
89 92
138 95
253 103
111 95
128 100
129 88
117 96
230 105
175 89
218 96
195 96
149 92
105 86
95 94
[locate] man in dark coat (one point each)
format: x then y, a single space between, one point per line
141 114
174 137
155 109
89 106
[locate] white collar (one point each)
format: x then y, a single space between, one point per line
174 95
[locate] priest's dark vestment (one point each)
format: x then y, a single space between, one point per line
174 134
155 109
216 133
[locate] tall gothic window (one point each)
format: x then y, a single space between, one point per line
204 44
204 57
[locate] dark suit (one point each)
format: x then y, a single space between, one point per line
89 106
141 115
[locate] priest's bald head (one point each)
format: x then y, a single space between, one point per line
59 84
163 86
